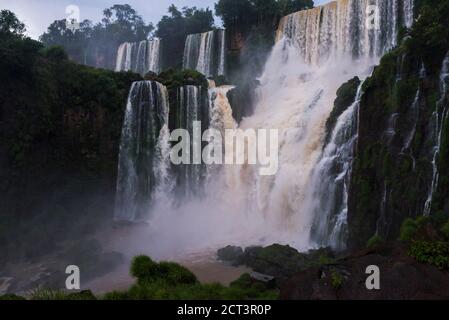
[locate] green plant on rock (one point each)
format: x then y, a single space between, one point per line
375 241
176 274
445 230
408 229
336 280
144 268
434 253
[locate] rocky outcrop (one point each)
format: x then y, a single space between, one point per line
401 278
276 260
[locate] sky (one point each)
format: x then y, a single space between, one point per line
39 14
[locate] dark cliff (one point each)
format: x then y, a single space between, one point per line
399 169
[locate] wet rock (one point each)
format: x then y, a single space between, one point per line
231 254
401 278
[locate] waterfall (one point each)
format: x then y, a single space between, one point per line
439 116
222 57
316 51
331 179
205 53
220 117
140 57
143 160
190 108
357 28
408 12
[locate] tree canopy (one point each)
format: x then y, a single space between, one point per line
96 45
175 27
9 23
247 12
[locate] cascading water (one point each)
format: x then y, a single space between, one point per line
143 160
316 51
141 57
220 116
408 12
205 53
190 109
439 117
332 178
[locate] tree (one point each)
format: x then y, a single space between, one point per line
175 27
96 45
9 23
243 13
286 7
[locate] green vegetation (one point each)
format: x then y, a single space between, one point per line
336 279
382 166
60 127
408 229
445 230
375 241
47 294
175 27
168 280
96 44
241 13
11 297
147 271
434 253
345 98
9 23
173 78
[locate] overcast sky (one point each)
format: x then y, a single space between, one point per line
39 14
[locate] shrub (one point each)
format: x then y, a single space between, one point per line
434 253
445 230
11 297
143 268
336 280
408 229
175 273
48 294
375 241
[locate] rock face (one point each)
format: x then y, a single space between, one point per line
231 254
398 170
276 260
401 278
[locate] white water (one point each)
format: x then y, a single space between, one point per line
144 140
331 178
316 51
439 116
205 53
141 57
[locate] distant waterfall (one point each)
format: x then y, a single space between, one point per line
143 159
439 117
205 53
357 28
140 57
